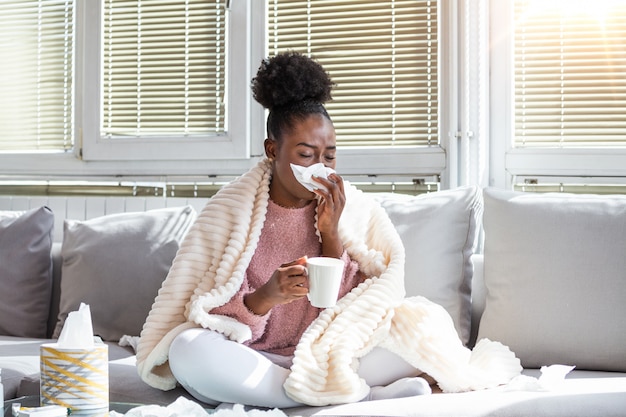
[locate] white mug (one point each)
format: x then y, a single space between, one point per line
324 280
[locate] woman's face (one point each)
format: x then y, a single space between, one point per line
310 141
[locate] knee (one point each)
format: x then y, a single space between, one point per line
192 355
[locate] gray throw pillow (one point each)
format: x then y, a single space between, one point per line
25 271
440 233
116 264
555 276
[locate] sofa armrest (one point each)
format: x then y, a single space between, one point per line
479 294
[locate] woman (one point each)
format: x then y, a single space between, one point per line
232 322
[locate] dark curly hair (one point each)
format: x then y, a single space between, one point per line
291 86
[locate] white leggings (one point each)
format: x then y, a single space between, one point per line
215 370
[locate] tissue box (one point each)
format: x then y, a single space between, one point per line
75 378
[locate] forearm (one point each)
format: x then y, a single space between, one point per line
257 303
331 245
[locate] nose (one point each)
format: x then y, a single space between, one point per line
319 159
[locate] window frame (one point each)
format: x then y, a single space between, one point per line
232 145
93 159
509 164
408 162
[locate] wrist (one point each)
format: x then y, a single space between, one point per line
257 303
331 245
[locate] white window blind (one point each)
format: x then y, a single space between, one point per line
164 71
570 73
382 55
36 51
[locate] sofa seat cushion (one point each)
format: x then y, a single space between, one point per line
20 354
555 275
589 395
19 359
25 271
126 385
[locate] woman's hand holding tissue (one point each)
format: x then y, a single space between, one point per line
325 182
329 209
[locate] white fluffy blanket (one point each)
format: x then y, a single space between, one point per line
210 267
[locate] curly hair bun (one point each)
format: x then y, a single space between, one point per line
289 78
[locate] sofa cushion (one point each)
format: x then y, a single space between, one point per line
555 274
25 271
116 264
439 232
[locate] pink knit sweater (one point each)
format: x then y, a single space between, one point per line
287 235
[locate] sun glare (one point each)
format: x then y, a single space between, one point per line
573 13
598 10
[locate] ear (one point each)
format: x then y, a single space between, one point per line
270 148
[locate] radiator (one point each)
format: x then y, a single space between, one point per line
85 208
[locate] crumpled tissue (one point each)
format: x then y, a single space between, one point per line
183 407
129 341
304 175
550 379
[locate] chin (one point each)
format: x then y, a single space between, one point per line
309 195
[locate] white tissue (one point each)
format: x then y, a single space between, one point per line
132 341
550 379
238 410
304 175
77 331
552 376
188 408
180 407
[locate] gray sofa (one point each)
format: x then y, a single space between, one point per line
544 274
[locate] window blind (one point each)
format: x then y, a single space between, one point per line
382 55
164 68
570 73
36 50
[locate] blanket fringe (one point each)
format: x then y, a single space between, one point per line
423 334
